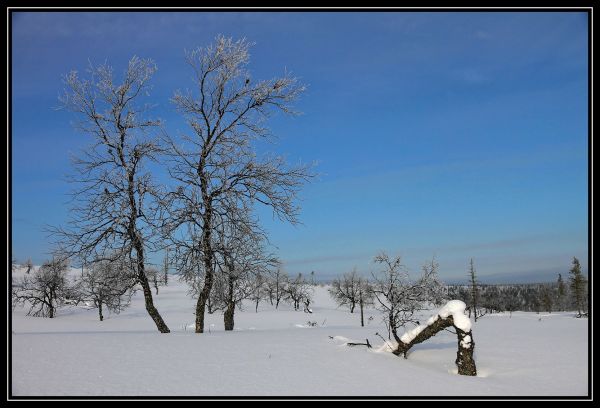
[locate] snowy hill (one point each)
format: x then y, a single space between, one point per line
279 353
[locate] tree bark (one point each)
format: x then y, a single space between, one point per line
100 311
207 250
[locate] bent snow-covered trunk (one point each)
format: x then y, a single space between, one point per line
452 314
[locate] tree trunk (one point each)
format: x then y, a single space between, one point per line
150 308
352 306
228 316
207 251
466 345
464 356
362 316
139 249
230 310
100 311
209 308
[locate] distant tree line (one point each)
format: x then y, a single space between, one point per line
571 295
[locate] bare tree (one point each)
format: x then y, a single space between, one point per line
345 290
299 290
28 265
152 274
365 297
217 168
45 289
243 262
107 284
277 281
113 207
397 297
258 289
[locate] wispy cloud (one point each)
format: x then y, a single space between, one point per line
471 76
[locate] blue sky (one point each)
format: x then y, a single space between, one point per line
453 135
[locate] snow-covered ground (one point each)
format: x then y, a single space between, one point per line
278 353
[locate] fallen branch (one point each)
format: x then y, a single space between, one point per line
360 344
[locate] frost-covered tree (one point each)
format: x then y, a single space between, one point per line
578 284
242 262
152 273
216 167
259 289
299 290
397 297
107 284
434 288
45 289
166 267
346 289
113 206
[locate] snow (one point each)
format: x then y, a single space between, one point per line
455 308
269 354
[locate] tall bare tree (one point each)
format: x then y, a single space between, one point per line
112 208
217 168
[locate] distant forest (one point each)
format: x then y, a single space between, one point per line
541 297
